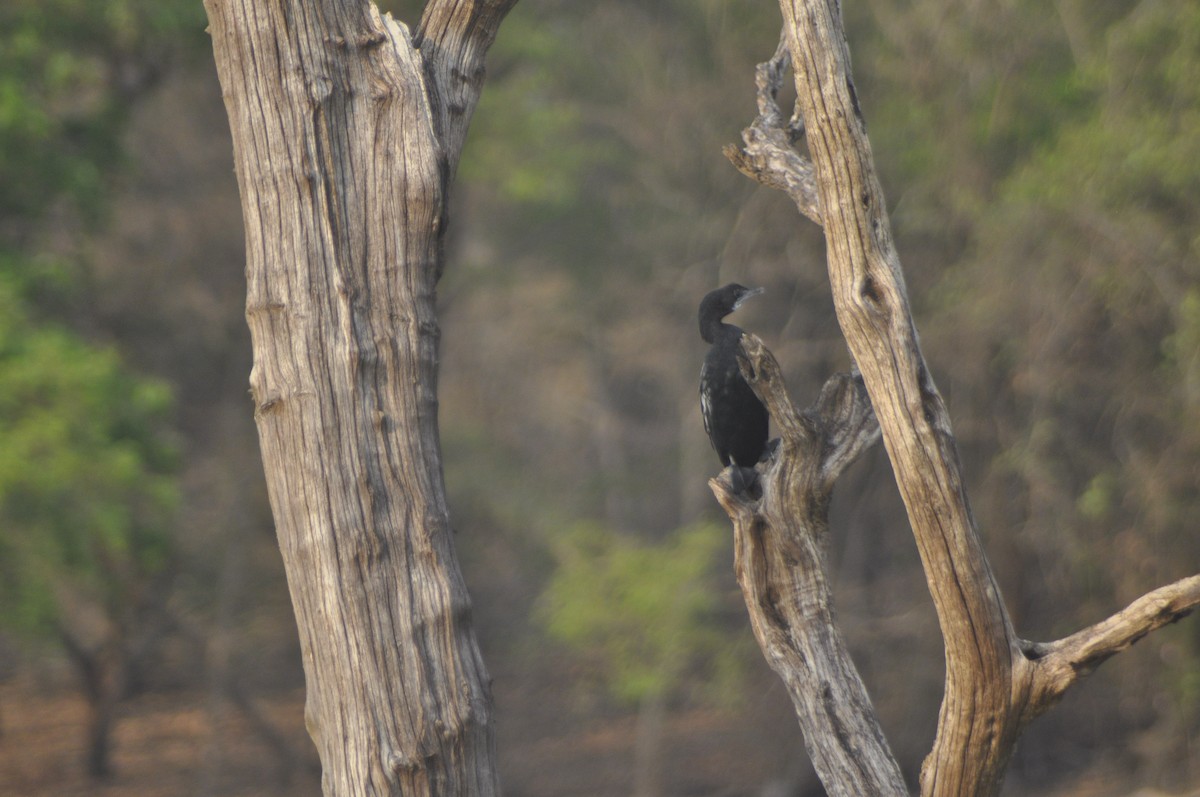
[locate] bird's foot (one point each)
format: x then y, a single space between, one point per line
742 479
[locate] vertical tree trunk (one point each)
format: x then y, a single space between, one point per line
100 657
872 308
103 696
97 644
346 134
996 683
648 745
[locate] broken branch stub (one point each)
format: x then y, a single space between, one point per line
780 566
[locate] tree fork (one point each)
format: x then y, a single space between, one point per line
995 682
779 560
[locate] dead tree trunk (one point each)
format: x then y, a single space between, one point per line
996 683
346 131
779 559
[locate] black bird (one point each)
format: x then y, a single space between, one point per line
736 421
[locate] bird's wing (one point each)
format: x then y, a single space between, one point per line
705 410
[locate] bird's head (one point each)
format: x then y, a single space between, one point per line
720 303
739 294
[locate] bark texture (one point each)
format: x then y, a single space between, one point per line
995 682
779 558
976 731
346 134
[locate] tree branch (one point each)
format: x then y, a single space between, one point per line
1061 664
849 423
453 37
769 155
761 371
780 566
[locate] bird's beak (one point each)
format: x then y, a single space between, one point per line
747 295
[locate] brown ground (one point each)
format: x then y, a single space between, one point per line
181 744
186 743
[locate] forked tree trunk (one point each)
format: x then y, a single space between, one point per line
779 536
346 132
996 683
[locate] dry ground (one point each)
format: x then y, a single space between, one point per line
187 743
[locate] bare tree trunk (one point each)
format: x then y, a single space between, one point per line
996 683
872 307
779 559
648 743
346 133
97 649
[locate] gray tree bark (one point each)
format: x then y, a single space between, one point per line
996 683
779 559
346 132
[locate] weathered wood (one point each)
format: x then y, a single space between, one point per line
345 136
975 729
995 682
1057 666
768 152
779 543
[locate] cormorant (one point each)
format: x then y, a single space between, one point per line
736 421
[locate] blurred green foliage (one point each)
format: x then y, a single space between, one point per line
87 472
68 69
87 463
645 612
529 143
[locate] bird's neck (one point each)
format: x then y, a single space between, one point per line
716 329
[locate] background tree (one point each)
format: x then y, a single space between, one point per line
87 474
647 618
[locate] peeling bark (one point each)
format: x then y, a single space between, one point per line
346 133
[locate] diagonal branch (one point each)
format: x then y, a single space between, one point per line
1061 664
849 423
453 37
769 155
761 371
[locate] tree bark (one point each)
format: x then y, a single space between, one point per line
995 682
346 133
976 731
779 558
